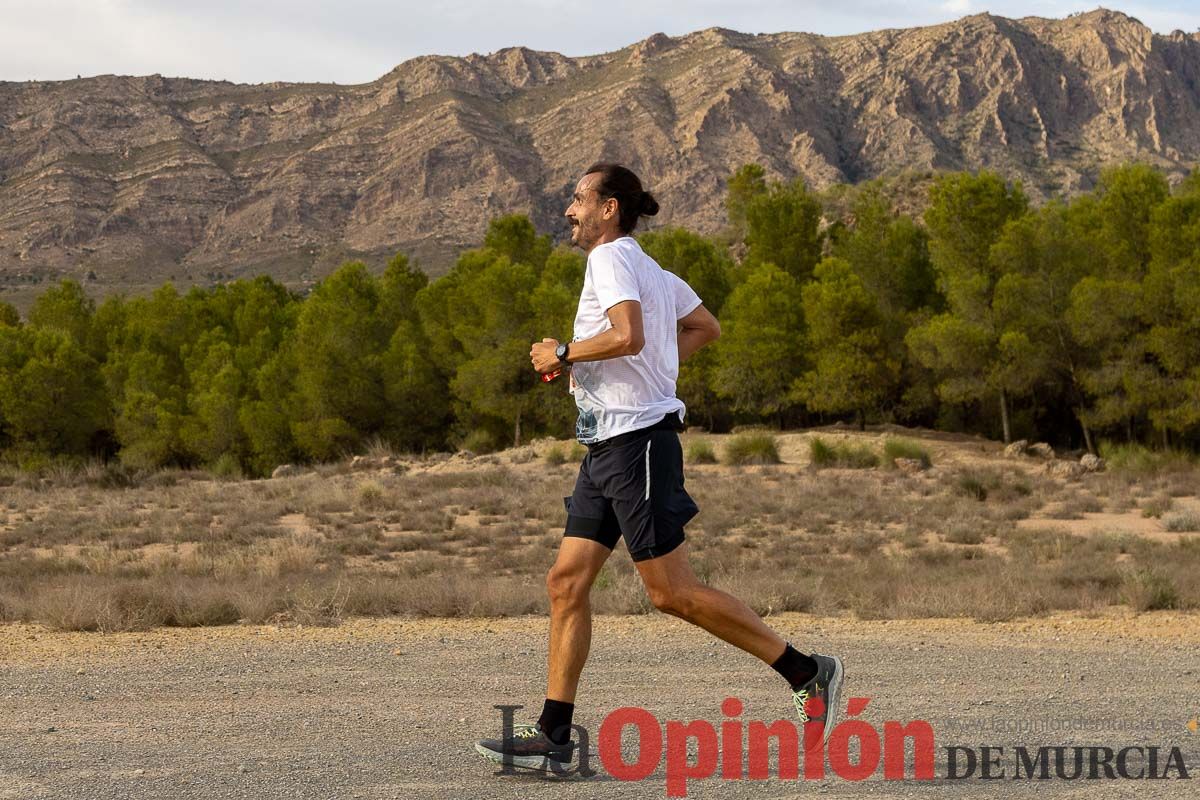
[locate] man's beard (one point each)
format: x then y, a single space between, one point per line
579 235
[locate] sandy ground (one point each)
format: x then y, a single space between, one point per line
389 708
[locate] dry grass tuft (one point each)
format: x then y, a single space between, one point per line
841 454
752 447
700 452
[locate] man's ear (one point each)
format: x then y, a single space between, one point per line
610 208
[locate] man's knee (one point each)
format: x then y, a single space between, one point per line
566 586
678 601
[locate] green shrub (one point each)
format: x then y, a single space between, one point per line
562 453
1139 459
370 495
752 448
820 453
859 457
479 441
841 454
894 447
701 452
227 466
33 462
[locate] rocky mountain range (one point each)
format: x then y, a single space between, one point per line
130 181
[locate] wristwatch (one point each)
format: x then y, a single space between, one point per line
561 352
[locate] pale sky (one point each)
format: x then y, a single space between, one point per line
356 41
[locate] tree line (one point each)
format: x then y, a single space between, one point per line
1066 322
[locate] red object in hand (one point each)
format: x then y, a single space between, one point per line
549 376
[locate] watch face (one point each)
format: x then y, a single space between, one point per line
560 352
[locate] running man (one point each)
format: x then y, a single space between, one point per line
635 323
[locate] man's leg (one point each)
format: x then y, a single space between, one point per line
569 584
674 589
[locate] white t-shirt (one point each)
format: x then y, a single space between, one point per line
624 394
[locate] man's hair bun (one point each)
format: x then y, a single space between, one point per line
632 201
649 205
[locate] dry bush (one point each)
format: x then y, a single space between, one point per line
973 486
911 538
1183 522
370 495
330 497
1158 505
773 594
1146 589
293 555
1075 507
446 596
377 447
967 531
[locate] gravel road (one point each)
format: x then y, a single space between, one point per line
389 708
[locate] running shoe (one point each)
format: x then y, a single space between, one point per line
529 748
827 686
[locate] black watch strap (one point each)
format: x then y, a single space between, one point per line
563 351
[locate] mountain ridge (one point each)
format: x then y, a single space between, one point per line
132 180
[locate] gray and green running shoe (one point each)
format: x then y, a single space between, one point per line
825 685
529 748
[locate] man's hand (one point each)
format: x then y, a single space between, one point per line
542 355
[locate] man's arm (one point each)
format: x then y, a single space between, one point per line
624 338
697 329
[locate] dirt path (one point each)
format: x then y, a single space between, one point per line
388 708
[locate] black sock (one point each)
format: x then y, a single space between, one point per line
797 668
555 721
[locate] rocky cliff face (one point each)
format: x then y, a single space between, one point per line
136 180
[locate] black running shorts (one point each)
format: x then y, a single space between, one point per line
632 485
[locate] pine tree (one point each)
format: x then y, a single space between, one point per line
783 227
745 184
337 346
52 399
480 319
852 368
1042 257
974 357
146 378
761 353
711 274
